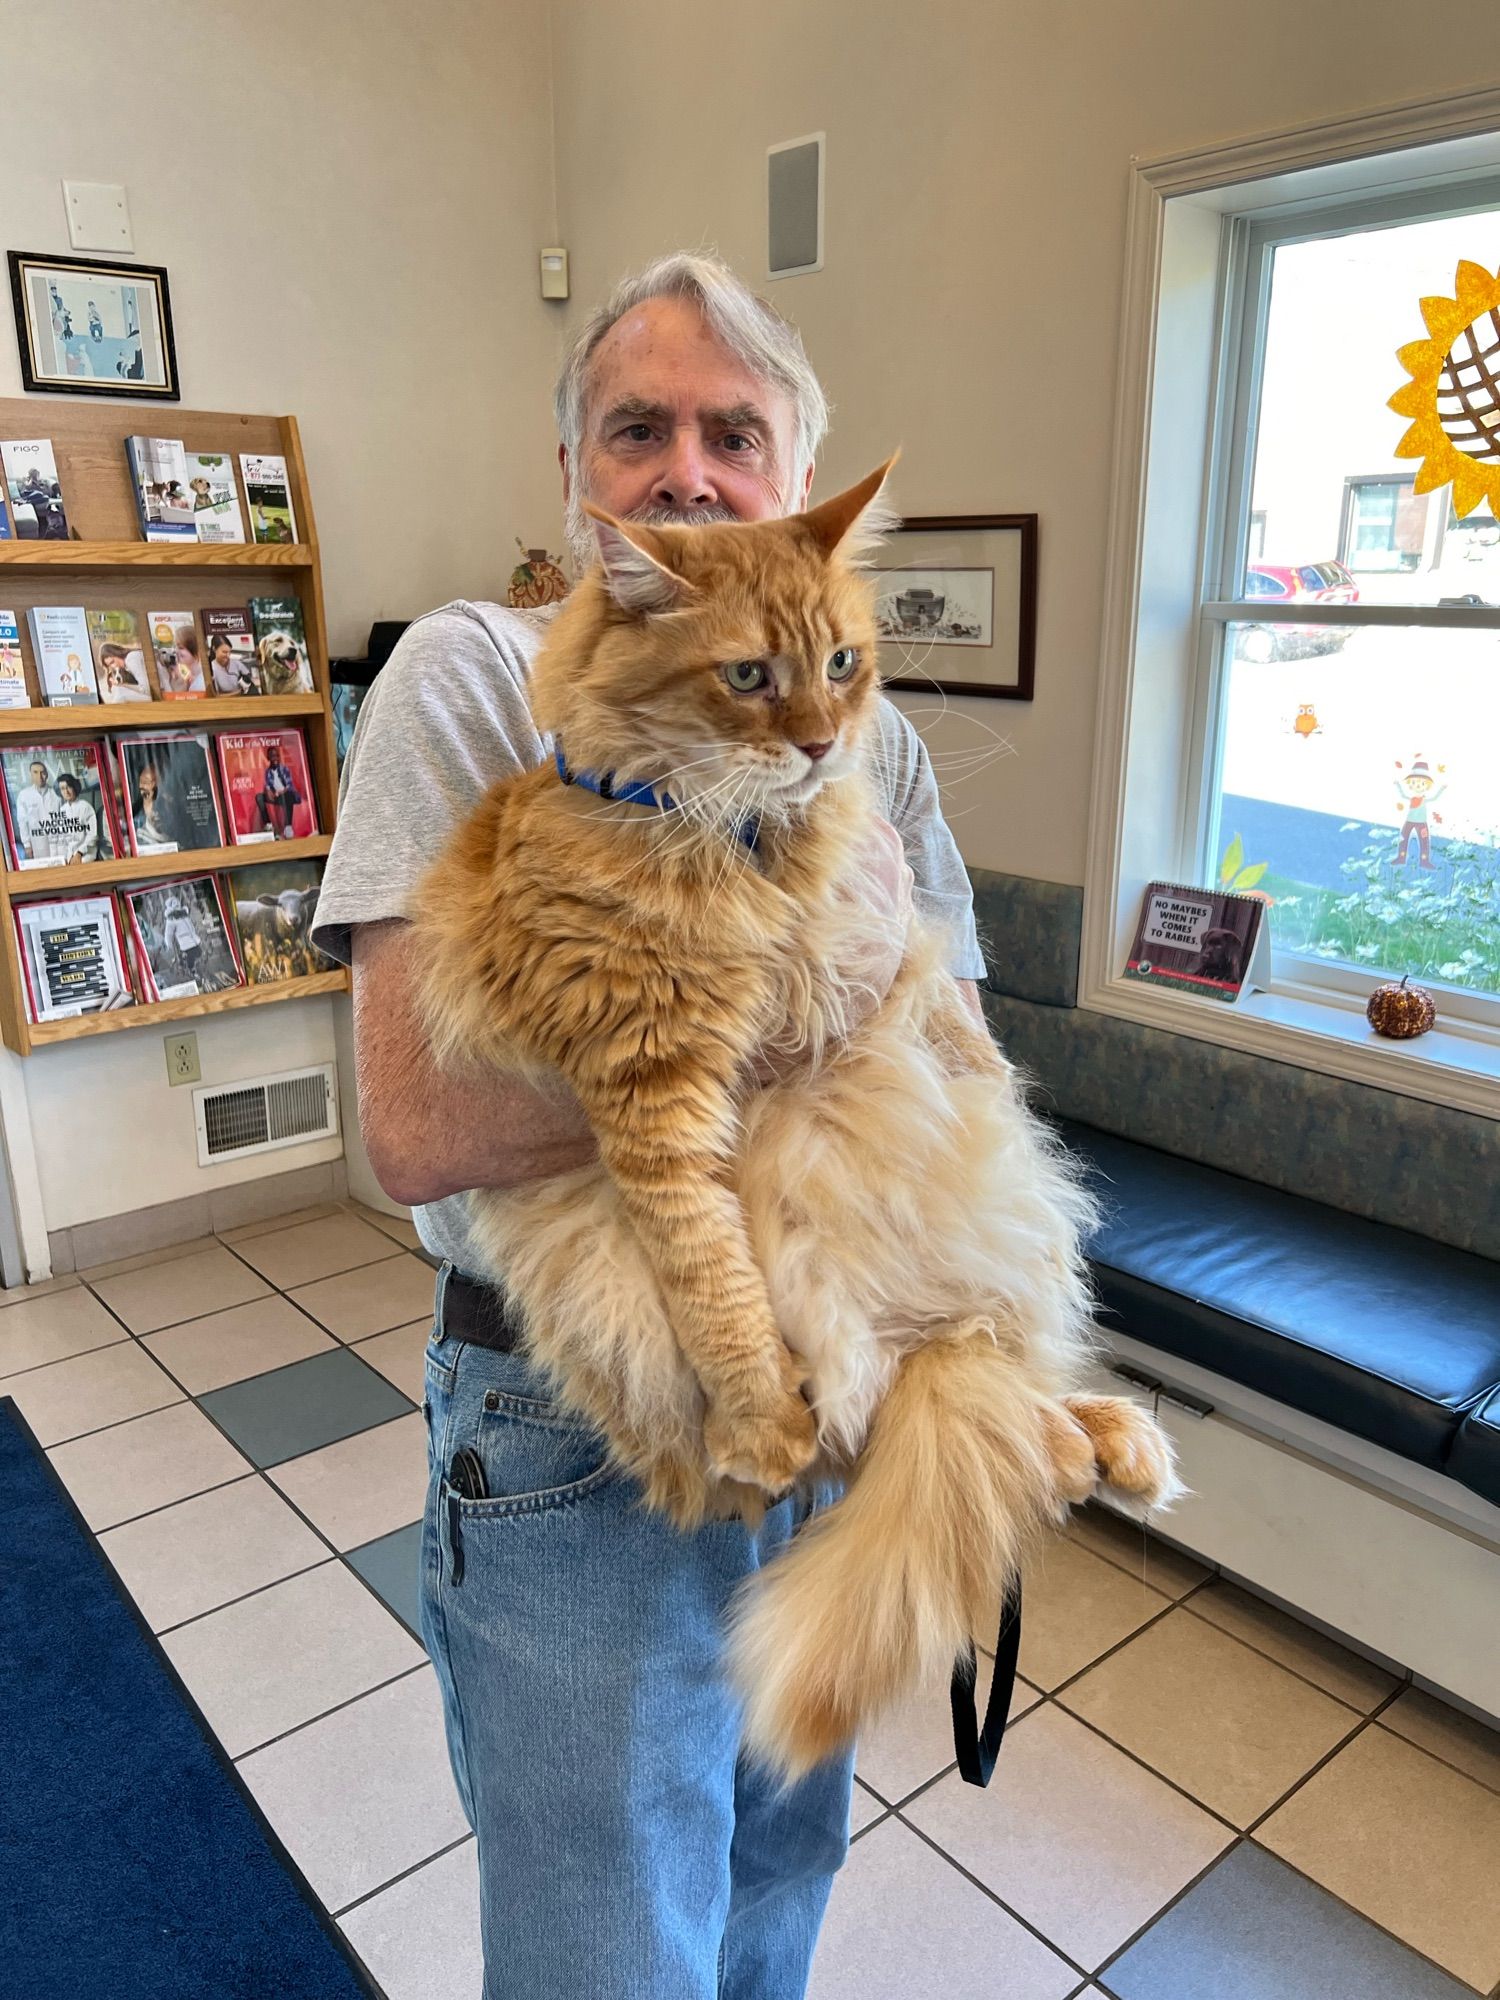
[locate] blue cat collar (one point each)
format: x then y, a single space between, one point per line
607 786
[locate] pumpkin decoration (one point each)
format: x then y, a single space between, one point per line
1399 1012
536 580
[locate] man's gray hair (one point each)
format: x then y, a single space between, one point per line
751 328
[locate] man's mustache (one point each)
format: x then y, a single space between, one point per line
680 517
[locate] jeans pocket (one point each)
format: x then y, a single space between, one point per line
535 1455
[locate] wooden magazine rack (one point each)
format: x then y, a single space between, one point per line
110 565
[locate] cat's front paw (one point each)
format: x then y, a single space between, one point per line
766 1445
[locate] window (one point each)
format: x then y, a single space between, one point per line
1356 764
1300 673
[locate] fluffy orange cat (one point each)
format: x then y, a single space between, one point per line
871 1268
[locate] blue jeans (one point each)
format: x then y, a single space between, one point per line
625 1850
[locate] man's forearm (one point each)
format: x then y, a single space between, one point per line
430 1133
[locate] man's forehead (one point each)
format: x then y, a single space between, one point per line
665 353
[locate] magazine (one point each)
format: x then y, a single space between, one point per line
268 792
120 665
183 940
281 645
1204 941
36 502
275 904
175 651
229 639
60 647
73 957
268 497
170 800
58 804
12 668
158 467
216 504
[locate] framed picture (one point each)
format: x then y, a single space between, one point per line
91 328
957 604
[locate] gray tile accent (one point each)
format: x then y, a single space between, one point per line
60 1252
390 1567
1394 1159
1031 932
304 1406
1253 1929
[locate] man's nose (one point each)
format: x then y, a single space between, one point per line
683 479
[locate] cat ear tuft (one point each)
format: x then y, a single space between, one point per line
855 522
635 575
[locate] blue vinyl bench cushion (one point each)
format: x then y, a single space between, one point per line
1475 1457
1369 1328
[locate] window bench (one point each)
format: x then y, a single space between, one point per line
1333 1385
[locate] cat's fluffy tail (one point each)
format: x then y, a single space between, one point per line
886 1587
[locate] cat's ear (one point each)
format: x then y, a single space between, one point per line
636 572
855 521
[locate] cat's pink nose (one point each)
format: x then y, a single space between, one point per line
816 751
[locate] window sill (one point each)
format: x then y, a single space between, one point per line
1456 1064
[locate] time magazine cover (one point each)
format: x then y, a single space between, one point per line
58 804
182 937
268 792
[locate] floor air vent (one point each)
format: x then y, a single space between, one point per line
265 1112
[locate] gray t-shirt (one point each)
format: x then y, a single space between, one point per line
448 716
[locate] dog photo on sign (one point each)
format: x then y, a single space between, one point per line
281 645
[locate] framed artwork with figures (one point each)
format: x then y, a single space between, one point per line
91 328
956 609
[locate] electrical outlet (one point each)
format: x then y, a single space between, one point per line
182 1059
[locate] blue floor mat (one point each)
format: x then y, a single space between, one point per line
135 1863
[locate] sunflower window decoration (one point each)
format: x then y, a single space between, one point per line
1453 396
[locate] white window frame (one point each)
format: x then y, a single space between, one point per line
1187 361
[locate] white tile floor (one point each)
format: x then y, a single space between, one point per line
1171 1731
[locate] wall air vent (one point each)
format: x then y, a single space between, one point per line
236 1119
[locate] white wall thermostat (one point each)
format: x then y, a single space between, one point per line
554 274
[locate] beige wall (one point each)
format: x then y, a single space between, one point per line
348 200
977 166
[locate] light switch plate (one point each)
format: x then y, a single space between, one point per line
98 216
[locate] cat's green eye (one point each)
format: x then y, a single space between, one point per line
745 676
843 663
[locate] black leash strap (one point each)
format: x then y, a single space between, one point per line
977 1746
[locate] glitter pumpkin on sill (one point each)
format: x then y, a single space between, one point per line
1400 1012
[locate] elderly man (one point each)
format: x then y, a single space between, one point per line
625 1851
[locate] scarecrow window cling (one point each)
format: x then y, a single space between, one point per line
1417 789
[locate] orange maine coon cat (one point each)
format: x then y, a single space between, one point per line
871 1268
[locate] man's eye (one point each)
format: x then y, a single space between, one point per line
636 433
843 663
736 442
745 676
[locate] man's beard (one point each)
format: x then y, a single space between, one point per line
584 547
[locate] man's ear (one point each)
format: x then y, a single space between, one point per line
636 572
854 522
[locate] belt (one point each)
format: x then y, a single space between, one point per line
478 1314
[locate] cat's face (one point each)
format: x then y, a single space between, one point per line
733 664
